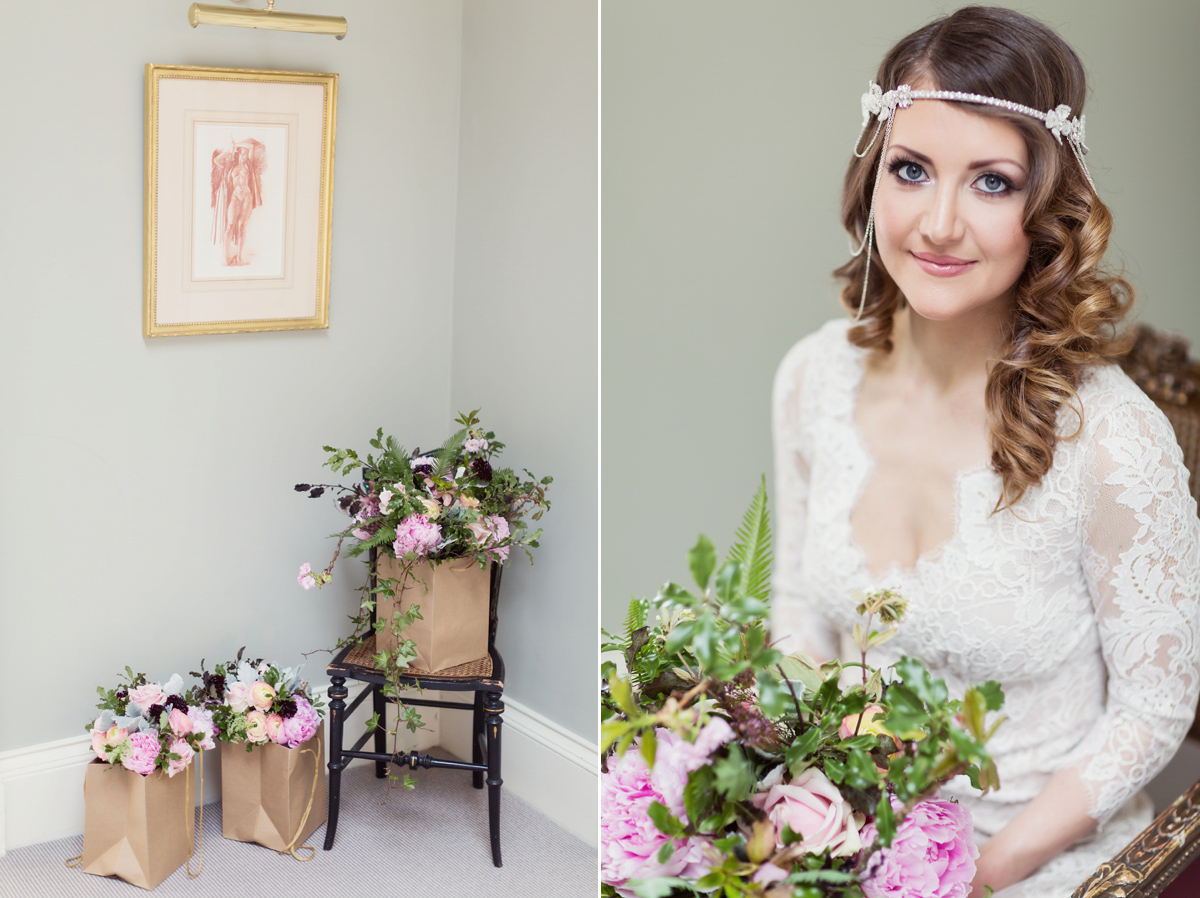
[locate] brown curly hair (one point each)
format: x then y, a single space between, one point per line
1067 307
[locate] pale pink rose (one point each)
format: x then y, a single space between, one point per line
142 756
181 724
98 743
115 736
359 533
385 499
468 501
147 695
274 725
237 696
181 748
480 532
262 695
256 726
815 810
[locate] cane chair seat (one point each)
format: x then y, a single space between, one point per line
357 662
1156 863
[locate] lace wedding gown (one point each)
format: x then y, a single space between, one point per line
1083 604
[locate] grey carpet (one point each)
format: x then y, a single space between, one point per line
429 842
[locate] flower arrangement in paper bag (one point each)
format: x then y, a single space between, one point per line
255 702
146 726
452 503
425 507
732 769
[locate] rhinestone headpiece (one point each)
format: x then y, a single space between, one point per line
883 105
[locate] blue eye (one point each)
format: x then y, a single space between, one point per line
994 183
907 170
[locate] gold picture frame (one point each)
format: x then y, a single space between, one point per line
239 200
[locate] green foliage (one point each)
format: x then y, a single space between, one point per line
752 548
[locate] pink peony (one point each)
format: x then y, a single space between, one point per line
181 724
142 756
815 810
147 695
418 535
256 726
237 696
181 748
301 726
305 577
932 856
262 695
274 725
630 841
202 725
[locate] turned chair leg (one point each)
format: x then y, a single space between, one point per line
379 704
477 741
493 708
337 708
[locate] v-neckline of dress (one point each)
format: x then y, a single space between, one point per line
893 572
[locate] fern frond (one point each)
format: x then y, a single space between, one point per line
753 547
446 455
639 612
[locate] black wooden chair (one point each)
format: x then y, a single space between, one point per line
483 677
1159 861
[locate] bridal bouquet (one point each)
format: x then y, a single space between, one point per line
146 726
255 702
734 770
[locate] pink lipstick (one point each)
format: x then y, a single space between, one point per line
942 266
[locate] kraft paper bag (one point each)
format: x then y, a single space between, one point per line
454 598
273 795
138 828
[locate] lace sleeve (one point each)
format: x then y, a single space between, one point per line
1142 562
795 623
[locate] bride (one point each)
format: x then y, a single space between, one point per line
965 441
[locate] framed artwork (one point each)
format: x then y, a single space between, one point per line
239 198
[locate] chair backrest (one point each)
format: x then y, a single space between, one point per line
1159 363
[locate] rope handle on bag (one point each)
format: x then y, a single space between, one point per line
291 846
198 835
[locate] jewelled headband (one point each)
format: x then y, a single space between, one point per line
875 102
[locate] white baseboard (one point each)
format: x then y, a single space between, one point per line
551 768
41 786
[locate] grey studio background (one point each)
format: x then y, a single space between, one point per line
726 132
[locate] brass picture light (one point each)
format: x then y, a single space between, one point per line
207 14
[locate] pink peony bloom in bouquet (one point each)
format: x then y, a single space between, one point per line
815 810
301 726
932 856
142 756
416 534
630 841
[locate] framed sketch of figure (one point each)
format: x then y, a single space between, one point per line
239 188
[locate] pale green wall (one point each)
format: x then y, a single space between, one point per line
146 508
525 320
726 131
